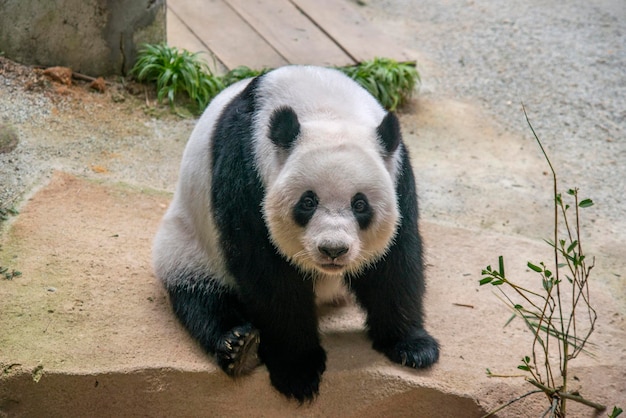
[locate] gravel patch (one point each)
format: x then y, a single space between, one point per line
565 61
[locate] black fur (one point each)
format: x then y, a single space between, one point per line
305 208
213 315
284 127
362 210
389 133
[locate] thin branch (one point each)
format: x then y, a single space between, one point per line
566 395
512 401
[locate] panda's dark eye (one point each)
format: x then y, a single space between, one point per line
305 208
362 210
308 203
359 206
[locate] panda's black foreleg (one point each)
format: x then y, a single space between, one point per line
212 314
395 323
283 309
392 296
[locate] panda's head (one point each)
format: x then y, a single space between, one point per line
331 208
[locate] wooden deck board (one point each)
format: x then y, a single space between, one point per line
272 33
342 21
230 38
290 32
185 38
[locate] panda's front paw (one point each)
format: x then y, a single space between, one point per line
297 377
237 350
419 351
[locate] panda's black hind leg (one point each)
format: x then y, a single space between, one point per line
212 314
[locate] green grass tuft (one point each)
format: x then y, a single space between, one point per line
390 81
177 72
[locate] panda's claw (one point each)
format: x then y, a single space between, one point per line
419 352
237 353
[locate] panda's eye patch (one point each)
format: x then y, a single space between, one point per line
362 210
305 208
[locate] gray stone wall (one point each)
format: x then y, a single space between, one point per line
94 37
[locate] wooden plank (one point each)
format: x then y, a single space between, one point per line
343 22
226 34
290 32
180 36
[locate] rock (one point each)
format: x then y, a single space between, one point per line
91 37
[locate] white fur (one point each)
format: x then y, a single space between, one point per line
188 236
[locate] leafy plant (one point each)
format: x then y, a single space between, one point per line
6 212
177 71
559 314
390 81
7 274
240 73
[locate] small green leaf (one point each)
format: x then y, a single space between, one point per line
501 265
522 367
547 285
485 280
534 267
585 203
572 246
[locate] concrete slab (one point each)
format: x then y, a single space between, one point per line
87 326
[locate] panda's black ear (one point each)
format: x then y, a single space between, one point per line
284 127
389 133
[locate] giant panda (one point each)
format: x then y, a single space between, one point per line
295 187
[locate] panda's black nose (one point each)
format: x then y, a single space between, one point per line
332 252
